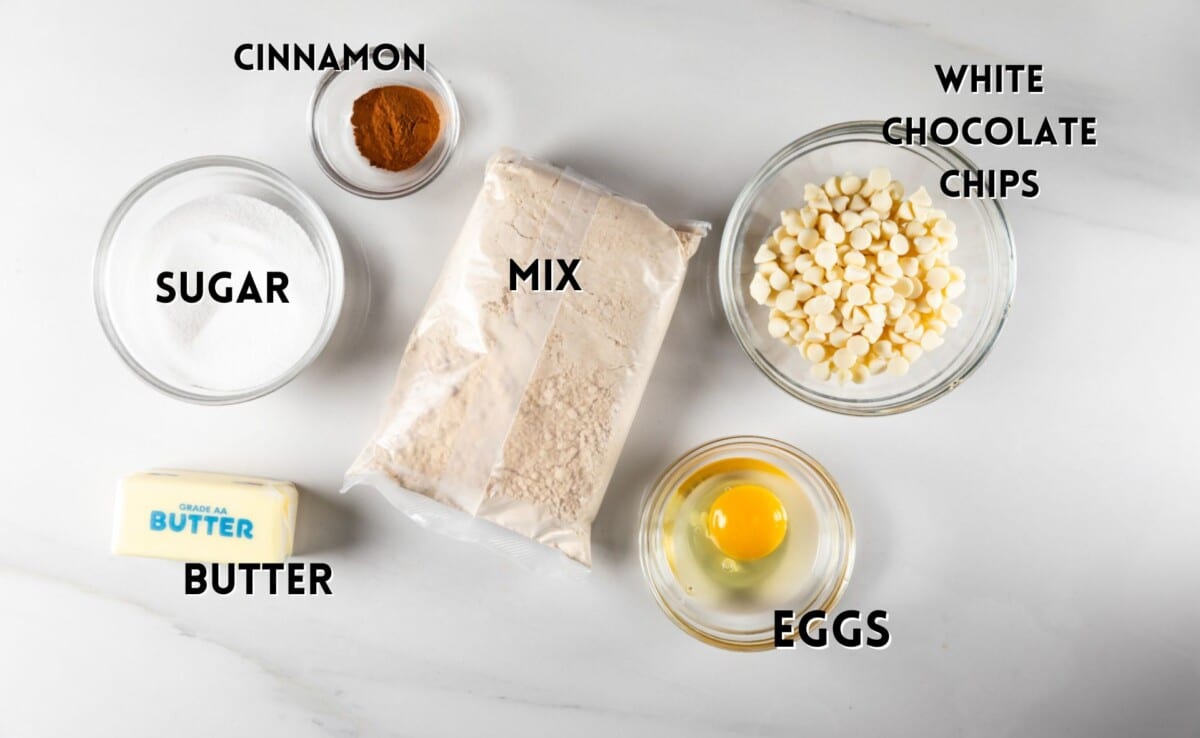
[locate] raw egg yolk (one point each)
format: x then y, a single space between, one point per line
747 522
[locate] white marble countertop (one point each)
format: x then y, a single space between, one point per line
1034 535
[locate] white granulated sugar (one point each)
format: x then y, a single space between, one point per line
226 346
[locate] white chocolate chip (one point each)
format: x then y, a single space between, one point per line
760 289
858 294
857 274
844 358
931 340
826 255
925 244
819 305
825 322
785 300
938 278
879 178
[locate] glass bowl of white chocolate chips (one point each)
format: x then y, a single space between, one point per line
855 284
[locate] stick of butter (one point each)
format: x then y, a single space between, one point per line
198 516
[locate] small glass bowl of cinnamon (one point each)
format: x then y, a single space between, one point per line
383 134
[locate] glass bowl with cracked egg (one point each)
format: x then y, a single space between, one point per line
853 341
738 528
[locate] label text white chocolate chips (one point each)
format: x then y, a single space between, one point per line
991 79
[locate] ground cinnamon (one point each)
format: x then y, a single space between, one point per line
395 126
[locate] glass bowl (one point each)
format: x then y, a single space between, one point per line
122 246
332 134
748 631
985 252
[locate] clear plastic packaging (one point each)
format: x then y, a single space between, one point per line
511 404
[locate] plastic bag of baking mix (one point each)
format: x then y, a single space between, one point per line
523 374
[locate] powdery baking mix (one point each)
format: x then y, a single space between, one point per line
512 405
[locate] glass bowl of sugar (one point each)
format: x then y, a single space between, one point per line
218 280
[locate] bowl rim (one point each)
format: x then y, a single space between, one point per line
726 271
327 246
657 491
450 129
